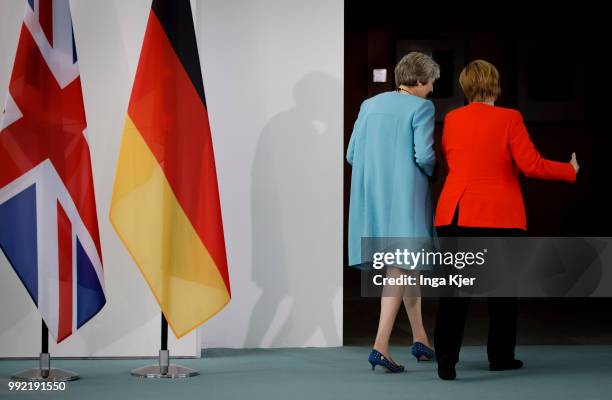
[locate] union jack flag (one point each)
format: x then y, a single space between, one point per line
48 221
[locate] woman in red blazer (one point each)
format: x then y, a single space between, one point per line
486 148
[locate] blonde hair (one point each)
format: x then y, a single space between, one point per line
479 81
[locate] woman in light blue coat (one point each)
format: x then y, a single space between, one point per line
391 151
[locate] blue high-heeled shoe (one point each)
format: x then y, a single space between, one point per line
377 358
422 352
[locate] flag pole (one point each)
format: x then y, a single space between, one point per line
164 354
45 357
44 372
164 332
163 369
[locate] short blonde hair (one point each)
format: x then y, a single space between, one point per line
416 67
479 81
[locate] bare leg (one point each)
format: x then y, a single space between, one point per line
388 311
413 309
389 305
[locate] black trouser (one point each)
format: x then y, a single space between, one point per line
452 311
451 320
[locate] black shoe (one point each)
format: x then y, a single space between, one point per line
506 365
446 369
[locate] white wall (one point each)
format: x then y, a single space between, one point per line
273 81
273 73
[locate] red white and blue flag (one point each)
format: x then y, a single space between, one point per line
48 221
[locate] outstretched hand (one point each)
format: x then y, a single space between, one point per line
574 162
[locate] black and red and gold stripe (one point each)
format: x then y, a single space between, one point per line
167 162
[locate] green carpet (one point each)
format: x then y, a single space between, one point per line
550 372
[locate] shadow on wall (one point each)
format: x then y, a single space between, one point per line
296 222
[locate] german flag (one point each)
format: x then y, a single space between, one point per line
165 205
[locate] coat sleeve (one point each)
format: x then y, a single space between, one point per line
423 127
528 159
350 152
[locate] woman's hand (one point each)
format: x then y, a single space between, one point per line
574 163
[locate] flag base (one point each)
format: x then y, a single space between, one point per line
52 375
45 372
164 370
174 372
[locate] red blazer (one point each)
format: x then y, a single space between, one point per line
486 148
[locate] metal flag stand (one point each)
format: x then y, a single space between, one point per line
164 369
44 372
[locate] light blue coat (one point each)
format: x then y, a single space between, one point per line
391 151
